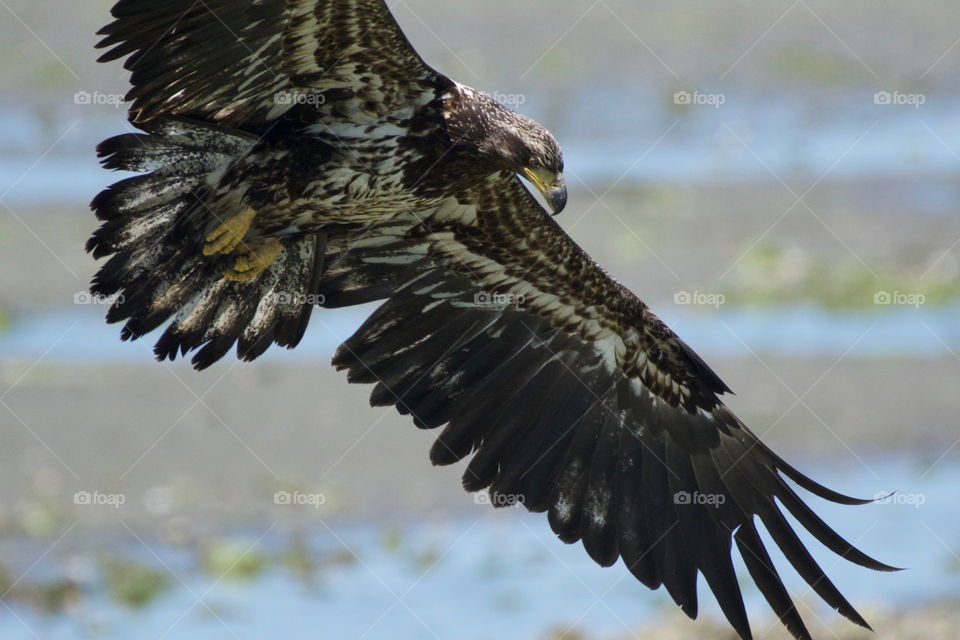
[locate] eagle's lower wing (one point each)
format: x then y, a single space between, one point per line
241 62
576 400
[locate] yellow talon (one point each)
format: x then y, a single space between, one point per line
253 259
228 235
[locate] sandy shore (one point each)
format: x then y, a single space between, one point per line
219 443
753 243
939 621
194 456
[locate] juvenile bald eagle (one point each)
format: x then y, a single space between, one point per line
299 153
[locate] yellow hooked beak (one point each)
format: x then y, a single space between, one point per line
551 185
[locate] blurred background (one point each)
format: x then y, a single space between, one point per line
777 180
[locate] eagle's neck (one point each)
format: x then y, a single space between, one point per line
478 137
480 125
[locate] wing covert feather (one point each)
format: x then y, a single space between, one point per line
575 399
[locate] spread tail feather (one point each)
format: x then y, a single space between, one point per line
153 229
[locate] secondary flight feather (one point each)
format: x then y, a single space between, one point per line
301 152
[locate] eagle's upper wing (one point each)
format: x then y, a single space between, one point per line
575 400
241 62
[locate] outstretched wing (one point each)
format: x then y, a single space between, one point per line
242 62
576 401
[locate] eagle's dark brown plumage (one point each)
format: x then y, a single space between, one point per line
301 152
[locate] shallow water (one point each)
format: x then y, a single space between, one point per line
499 576
80 334
505 576
642 137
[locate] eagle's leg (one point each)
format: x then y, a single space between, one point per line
228 235
251 259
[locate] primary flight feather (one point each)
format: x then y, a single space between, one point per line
299 153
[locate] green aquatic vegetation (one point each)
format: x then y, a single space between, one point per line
564 634
41 519
51 74
820 67
49 597
134 585
392 538
56 596
232 559
426 559
769 275
340 558
298 558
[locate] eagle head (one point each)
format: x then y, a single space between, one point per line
508 141
532 152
